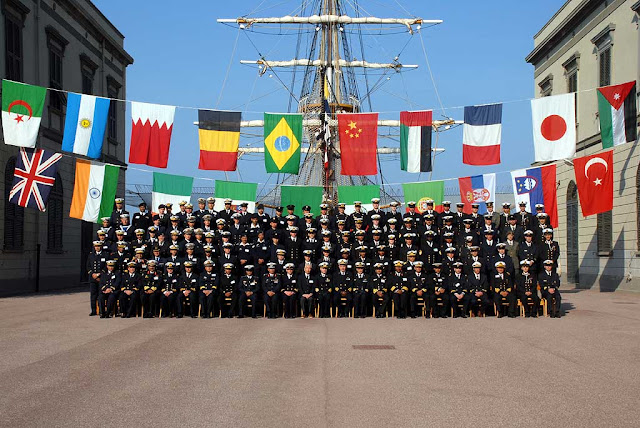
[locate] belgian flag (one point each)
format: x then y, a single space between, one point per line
219 133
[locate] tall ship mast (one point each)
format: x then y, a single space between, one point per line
330 84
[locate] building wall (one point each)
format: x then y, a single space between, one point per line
574 33
90 39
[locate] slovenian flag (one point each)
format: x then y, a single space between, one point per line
85 124
478 189
537 186
482 133
415 141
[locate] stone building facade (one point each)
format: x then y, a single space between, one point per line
69 45
585 45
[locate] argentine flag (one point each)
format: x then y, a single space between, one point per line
85 124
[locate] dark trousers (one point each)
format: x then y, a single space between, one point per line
207 304
479 304
94 290
360 305
380 304
554 302
460 307
342 304
128 304
400 304
307 306
182 303
530 304
227 304
510 299
168 304
243 302
440 305
289 303
413 304
149 303
108 299
324 301
271 304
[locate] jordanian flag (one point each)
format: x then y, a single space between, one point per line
238 193
170 188
617 109
94 190
282 141
21 112
415 141
420 193
350 194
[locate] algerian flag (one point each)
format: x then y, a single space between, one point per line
21 112
238 193
94 190
617 111
350 194
170 188
301 196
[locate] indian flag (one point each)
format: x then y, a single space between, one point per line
238 192
350 194
21 112
170 188
94 190
617 110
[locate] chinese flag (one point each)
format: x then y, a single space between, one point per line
358 141
594 177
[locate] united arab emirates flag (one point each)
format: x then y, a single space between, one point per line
21 112
617 110
300 196
420 193
238 192
282 142
170 188
415 141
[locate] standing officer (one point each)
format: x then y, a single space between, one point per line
399 287
503 291
228 292
208 285
141 219
271 283
96 264
550 285
116 213
188 286
129 291
549 249
324 285
110 283
419 289
307 286
247 292
380 290
478 290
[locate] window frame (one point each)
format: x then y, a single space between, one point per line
604 234
13 60
13 214
55 215
113 92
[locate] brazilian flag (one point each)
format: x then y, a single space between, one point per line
282 142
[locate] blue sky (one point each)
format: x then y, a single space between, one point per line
476 56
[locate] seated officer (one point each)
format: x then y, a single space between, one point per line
289 291
247 292
380 290
151 285
129 291
307 287
503 291
228 292
419 289
271 283
527 289
439 294
342 286
399 287
478 289
360 290
208 285
459 291
109 288
324 284
169 291
550 284
188 287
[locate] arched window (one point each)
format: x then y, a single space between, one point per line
55 216
13 214
573 235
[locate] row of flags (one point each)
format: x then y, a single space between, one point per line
553 117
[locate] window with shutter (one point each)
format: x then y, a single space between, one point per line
13 214
55 216
638 207
604 59
605 233
13 47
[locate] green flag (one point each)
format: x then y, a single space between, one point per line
420 192
350 194
170 188
238 193
21 112
300 196
282 142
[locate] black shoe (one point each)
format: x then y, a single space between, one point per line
254 316
500 315
512 316
103 316
414 316
557 316
180 316
456 316
464 316
240 316
92 314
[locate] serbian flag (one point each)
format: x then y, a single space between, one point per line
219 133
537 186
358 141
481 135
151 134
415 141
478 189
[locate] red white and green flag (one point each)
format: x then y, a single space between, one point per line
420 193
22 106
617 110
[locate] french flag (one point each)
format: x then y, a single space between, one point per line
478 189
537 186
481 134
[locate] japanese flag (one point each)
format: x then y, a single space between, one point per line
554 127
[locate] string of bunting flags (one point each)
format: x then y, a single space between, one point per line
554 138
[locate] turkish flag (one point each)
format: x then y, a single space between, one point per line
594 177
358 143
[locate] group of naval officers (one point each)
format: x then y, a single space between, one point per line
382 262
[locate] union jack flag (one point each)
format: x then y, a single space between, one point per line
35 175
